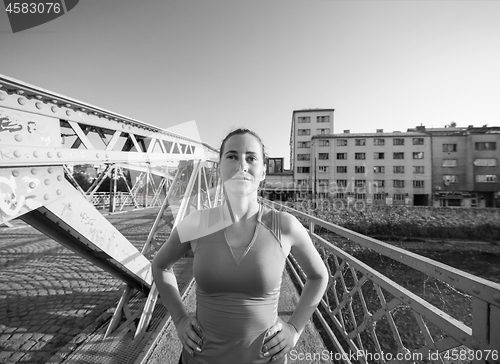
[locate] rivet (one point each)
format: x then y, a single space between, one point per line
462 337
50 170
475 290
59 154
54 109
59 178
68 105
97 155
32 185
18 138
46 196
47 182
39 97
83 109
70 204
54 101
21 101
15 173
50 154
36 154
34 171
17 153
106 155
2 96
58 192
19 92
496 297
38 105
68 112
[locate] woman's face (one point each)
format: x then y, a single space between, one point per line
242 164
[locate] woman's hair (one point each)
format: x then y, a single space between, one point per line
242 131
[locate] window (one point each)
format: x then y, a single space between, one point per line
303 157
359 182
322 119
303 169
302 182
492 162
399 197
304 131
303 144
398 141
379 183
418 169
486 146
341 142
359 155
322 169
486 178
450 162
399 169
323 143
341 169
341 155
342 183
378 155
379 196
418 155
359 169
323 182
418 141
398 155
360 196
325 131
340 195
418 183
379 169
450 178
378 141
304 119
323 156
449 148
398 183
359 142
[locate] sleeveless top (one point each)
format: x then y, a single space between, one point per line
237 291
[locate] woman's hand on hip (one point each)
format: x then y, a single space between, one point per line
280 339
190 334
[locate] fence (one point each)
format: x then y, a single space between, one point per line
367 313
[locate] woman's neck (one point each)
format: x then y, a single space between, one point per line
241 207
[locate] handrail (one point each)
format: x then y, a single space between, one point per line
349 312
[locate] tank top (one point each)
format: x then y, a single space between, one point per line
237 293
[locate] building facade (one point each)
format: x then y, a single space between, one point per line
465 166
450 166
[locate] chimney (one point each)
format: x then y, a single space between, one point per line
346 131
380 130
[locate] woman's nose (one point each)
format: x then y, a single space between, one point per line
243 166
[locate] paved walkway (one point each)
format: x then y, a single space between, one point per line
49 295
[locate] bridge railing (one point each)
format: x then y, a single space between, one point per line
444 315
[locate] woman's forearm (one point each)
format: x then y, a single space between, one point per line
311 295
166 283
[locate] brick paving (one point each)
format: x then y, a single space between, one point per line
50 295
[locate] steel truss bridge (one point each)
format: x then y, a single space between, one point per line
44 135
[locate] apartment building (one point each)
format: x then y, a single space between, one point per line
378 168
306 124
465 166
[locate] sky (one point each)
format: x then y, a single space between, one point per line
224 64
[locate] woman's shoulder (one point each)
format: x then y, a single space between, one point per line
288 222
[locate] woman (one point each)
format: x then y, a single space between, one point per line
239 251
